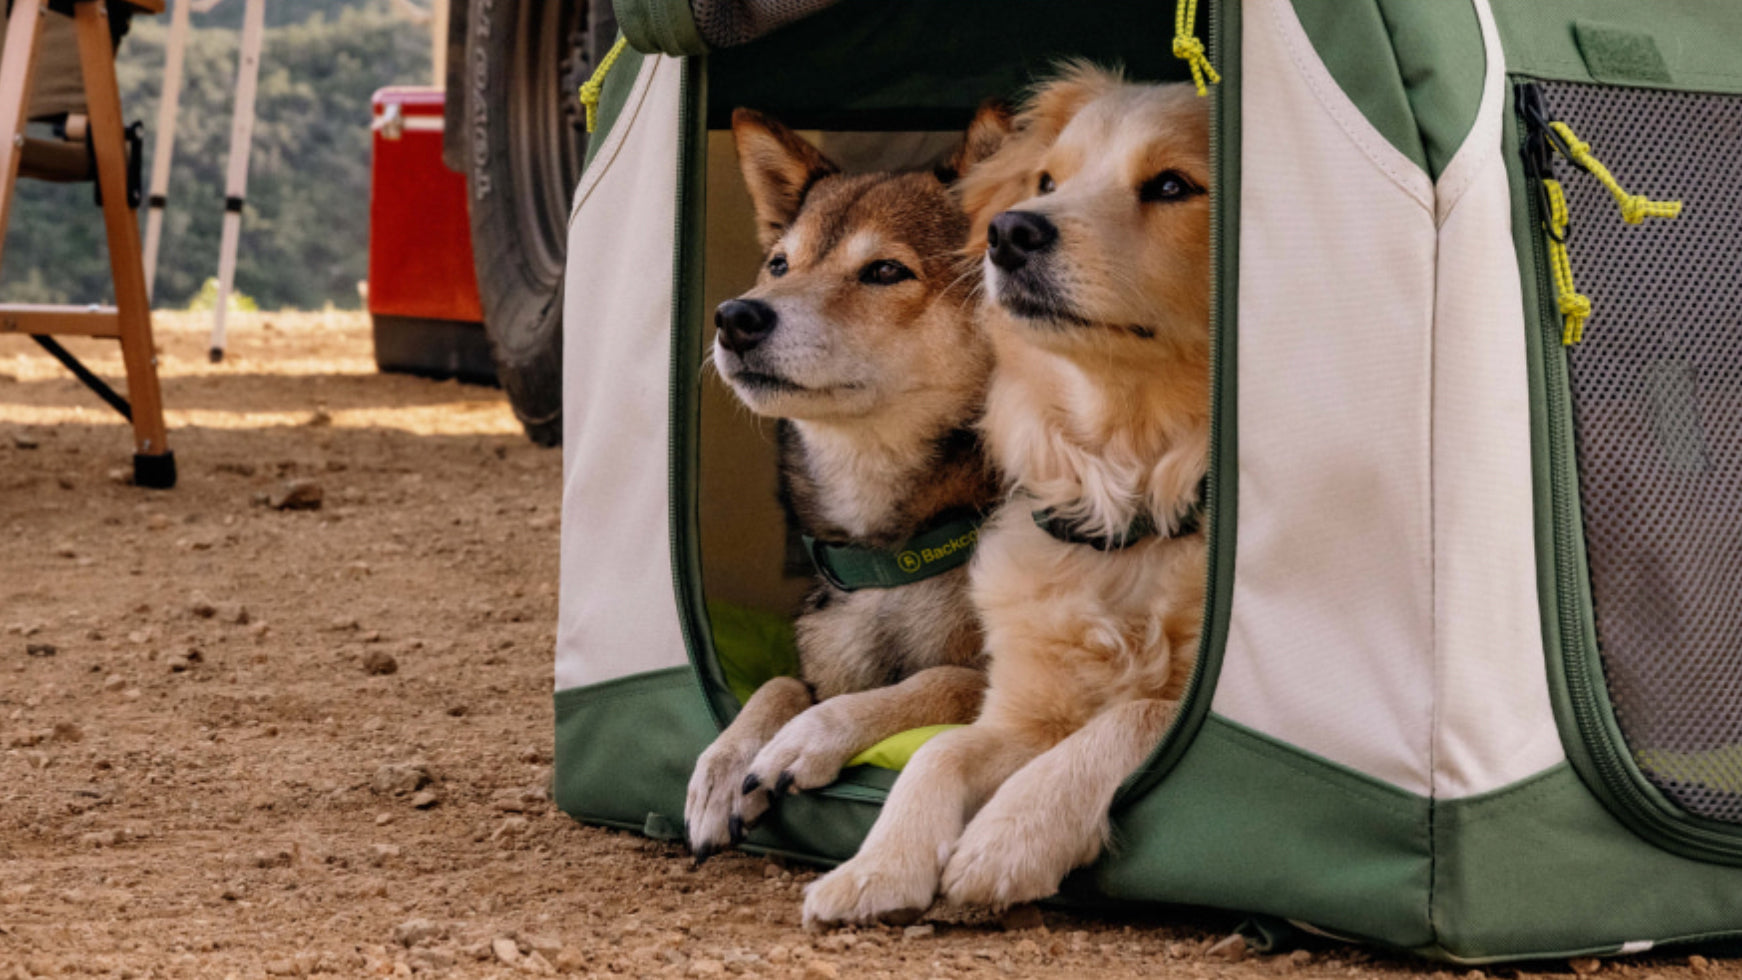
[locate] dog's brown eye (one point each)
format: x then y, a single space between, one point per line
777 266
1046 185
885 272
1168 185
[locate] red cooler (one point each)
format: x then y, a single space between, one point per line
423 290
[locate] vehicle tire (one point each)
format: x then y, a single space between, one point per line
526 140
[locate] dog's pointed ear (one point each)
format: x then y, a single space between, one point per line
779 168
994 121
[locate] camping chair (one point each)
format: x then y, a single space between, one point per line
44 40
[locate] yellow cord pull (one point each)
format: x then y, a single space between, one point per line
593 87
1188 48
1575 307
1635 208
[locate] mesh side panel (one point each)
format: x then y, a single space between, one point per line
724 23
1657 398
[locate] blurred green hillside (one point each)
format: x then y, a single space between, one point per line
305 232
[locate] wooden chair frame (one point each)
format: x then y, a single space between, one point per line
129 321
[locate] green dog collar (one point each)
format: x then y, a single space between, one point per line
1141 527
934 551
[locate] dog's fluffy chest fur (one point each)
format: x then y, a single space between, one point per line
1071 629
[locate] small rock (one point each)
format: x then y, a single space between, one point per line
201 607
102 838
25 439
431 960
821 970
296 495
358 569
380 854
66 731
185 660
1584 966
1027 948
706 968
415 932
66 550
525 799
41 649
157 522
510 828
1699 964
234 612
281 968
534 962
379 663
505 950
924 931
1232 948
114 682
1022 917
570 960
425 800
1300 958
401 778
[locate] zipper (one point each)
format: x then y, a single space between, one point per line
1194 704
681 405
1630 796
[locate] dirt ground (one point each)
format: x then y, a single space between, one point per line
243 741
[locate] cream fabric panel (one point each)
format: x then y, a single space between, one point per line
1494 723
1332 619
618 614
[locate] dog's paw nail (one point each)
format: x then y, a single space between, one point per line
702 853
735 827
783 784
751 783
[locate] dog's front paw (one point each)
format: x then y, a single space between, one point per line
1009 854
867 890
807 753
711 820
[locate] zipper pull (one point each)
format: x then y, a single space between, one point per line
1188 48
1635 208
1540 141
594 88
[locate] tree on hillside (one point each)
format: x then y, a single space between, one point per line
305 231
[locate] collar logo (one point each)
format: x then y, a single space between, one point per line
909 561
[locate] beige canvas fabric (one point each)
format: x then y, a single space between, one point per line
617 614
1331 630
1385 609
1493 723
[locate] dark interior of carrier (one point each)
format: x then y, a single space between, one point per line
1657 404
877 85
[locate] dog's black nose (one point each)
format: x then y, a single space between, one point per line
743 323
1015 235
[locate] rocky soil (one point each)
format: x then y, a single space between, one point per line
293 718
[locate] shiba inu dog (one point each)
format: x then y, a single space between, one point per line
1089 579
861 337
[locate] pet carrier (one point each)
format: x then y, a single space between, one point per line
1471 678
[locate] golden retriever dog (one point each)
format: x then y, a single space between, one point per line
1089 579
861 337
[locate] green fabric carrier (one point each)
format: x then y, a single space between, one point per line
1466 682
851 567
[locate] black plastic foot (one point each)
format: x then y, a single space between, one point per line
156 472
215 355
